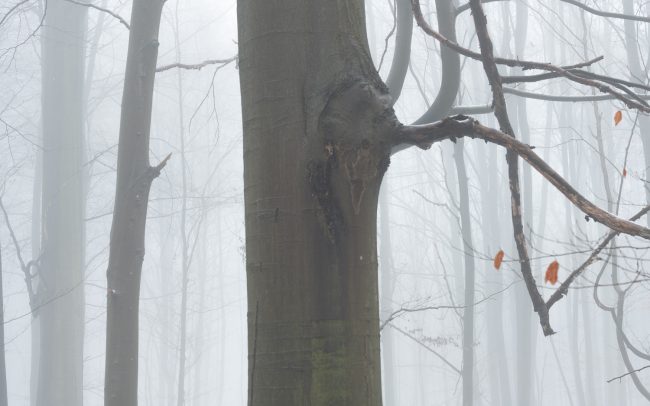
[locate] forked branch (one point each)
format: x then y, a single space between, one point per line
459 126
565 72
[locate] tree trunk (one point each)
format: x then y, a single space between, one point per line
316 144
60 279
182 351
134 177
387 288
3 366
637 74
469 268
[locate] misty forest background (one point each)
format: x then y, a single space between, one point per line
444 214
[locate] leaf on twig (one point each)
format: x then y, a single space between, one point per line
618 117
551 272
498 259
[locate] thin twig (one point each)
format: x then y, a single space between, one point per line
628 373
103 10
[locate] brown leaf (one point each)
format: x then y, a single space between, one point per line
498 259
618 117
624 172
551 272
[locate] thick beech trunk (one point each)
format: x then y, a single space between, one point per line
316 144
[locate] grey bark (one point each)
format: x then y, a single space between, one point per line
134 178
526 339
469 268
450 81
180 395
316 129
389 381
402 56
637 74
61 270
3 367
500 380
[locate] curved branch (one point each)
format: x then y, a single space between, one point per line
588 9
606 13
402 55
568 99
577 72
450 76
417 12
460 126
564 287
103 10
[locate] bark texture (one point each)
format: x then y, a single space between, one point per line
134 177
317 124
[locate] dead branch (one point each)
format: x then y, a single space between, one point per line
103 10
459 126
197 66
628 373
561 71
24 266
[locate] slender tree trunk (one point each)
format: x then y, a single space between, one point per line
389 381
61 271
180 399
637 74
499 380
134 178
470 276
3 367
167 356
36 250
316 127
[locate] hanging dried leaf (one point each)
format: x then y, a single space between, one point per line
551 273
498 259
624 172
618 117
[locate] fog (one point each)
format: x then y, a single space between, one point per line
260 282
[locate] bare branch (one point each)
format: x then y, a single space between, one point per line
568 99
577 72
576 3
11 10
564 287
103 10
627 374
501 114
630 102
25 267
434 352
465 7
197 66
459 126
397 313
606 13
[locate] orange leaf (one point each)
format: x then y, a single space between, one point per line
618 117
551 272
624 172
498 259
